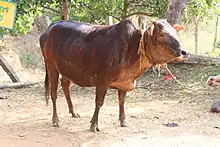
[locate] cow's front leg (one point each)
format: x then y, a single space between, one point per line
121 100
100 95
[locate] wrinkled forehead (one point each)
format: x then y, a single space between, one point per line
167 28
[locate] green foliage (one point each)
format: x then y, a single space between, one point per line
200 10
212 2
218 45
96 11
28 59
93 11
157 7
26 12
215 53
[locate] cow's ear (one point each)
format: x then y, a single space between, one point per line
178 27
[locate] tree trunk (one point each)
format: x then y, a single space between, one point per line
64 10
9 70
216 34
196 36
175 11
18 85
125 9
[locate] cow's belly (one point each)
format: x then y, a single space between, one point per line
77 75
82 80
126 85
85 77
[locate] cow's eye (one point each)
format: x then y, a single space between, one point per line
162 35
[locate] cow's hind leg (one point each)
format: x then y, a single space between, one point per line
53 78
121 99
65 83
100 95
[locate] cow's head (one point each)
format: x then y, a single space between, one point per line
161 42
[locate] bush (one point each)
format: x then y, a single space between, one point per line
28 60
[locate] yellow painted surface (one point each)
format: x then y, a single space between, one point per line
7 14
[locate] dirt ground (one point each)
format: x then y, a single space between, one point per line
26 121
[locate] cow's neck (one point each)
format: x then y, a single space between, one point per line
141 59
134 68
143 62
145 59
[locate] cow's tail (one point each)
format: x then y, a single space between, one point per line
46 85
43 41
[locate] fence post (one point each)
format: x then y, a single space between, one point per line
109 20
216 34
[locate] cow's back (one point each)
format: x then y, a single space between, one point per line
61 31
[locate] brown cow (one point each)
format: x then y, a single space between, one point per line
106 57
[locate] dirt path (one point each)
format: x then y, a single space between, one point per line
26 121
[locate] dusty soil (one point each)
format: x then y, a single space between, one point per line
26 121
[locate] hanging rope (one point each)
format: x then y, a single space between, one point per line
184 85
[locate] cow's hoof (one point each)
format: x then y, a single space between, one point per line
94 129
55 124
124 123
75 115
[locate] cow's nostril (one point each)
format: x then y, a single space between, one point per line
183 53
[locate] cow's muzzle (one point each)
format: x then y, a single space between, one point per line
182 55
